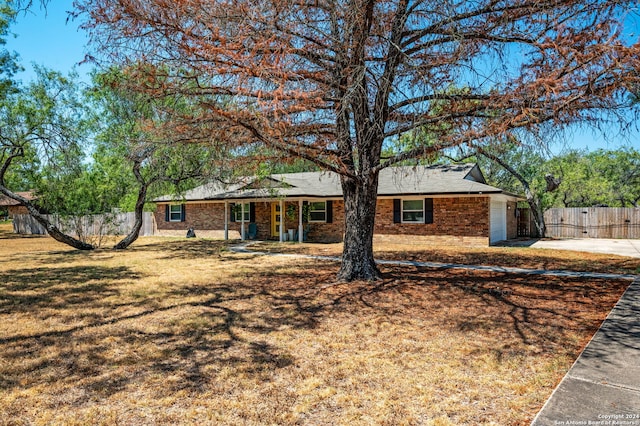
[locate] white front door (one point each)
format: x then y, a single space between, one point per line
497 221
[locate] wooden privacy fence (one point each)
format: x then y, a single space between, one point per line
593 222
104 224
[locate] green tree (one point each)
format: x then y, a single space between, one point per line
622 168
136 154
40 122
9 63
47 126
42 129
599 178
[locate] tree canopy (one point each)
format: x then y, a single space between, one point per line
308 77
86 152
330 81
608 178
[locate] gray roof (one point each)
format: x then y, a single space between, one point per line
394 181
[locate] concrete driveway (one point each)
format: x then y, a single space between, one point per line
630 248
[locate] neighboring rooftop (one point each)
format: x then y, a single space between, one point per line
394 181
6 201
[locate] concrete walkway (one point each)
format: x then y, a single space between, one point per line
603 385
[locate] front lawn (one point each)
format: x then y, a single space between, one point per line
176 331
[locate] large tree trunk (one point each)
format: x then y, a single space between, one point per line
52 230
360 198
538 216
137 225
139 209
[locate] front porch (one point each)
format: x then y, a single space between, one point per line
300 219
283 220
265 220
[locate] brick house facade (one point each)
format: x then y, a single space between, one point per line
207 219
456 220
418 211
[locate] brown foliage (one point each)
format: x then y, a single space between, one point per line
329 81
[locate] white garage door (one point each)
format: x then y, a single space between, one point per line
497 221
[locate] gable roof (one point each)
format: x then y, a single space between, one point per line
393 181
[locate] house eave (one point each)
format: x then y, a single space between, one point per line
339 196
440 194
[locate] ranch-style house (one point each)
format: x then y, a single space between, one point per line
416 204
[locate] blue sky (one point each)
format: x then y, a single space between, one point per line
47 38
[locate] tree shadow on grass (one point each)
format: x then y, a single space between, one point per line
536 314
181 337
33 289
185 249
551 315
214 336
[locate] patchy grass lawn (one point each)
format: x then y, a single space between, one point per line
176 331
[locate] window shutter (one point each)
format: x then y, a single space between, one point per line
428 210
329 211
232 212
305 217
252 212
166 213
397 211
183 212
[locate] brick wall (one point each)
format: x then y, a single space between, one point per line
437 240
456 220
328 232
16 210
455 217
207 219
199 216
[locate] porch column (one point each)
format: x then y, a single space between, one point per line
226 220
281 220
242 234
300 230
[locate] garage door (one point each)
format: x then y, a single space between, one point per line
497 221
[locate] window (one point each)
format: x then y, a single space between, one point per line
318 211
412 211
176 212
247 212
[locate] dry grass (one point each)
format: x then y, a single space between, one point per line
178 331
517 257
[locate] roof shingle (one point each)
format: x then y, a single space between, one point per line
393 181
